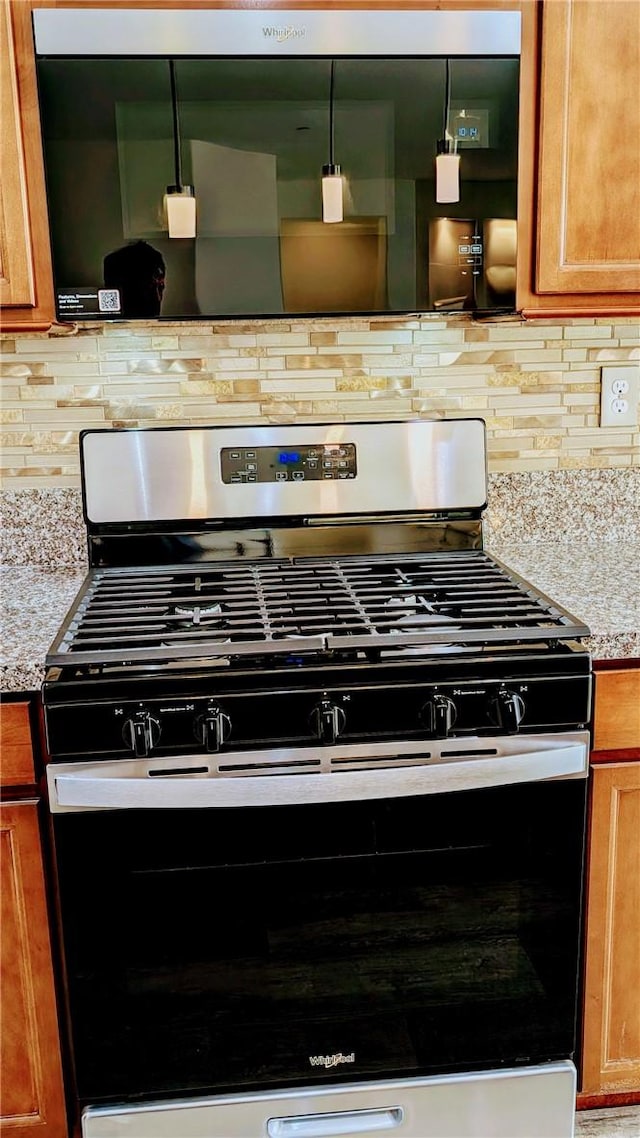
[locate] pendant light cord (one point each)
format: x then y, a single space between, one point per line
331 123
447 99
177 161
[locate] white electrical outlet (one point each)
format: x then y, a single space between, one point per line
619 394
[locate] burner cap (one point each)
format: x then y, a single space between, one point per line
197 613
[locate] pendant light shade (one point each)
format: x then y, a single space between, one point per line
332 182
179 200
447 160
448 177
332 206
180 211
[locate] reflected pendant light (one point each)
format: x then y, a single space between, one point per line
447 160
179 200
332 207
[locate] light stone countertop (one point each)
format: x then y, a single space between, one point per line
34 604
598 582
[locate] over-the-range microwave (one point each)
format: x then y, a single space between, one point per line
235 163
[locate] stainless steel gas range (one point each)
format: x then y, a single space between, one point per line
317 771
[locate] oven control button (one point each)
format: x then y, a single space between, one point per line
213 728
328 720
507 710
439 715
141 733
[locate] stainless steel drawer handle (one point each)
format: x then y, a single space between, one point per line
343 1123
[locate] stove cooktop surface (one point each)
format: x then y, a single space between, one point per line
338 608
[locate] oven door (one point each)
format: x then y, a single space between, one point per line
241 948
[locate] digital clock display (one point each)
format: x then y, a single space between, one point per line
287 456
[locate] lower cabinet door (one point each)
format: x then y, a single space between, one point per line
31 1091
611 1039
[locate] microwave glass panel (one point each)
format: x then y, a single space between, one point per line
254 138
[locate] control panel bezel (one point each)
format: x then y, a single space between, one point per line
307 462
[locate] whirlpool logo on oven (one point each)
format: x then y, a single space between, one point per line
332 1060
283 34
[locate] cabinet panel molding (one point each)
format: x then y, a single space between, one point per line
32 1101
611 1039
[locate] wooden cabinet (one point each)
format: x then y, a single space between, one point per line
31 1089
582 244
611 1025
26 285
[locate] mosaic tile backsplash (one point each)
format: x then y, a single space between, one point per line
536 384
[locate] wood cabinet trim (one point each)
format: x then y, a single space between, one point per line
16 752
617 709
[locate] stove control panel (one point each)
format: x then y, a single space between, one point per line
193 718
316 462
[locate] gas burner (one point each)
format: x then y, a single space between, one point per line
316 604
197 614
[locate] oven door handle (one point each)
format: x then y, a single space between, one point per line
342 1122
329 774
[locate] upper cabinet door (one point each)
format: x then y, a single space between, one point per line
16 258
26 284
588 232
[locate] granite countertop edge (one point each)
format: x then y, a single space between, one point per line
578 576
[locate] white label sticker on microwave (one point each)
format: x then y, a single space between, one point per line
88 301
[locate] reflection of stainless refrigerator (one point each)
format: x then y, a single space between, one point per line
455 262
472 264
500 247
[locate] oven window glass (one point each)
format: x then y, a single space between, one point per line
255 134
211 950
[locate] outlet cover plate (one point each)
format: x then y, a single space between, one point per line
619 392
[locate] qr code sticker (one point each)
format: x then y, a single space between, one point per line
109 300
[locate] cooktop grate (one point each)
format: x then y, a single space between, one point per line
310 605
